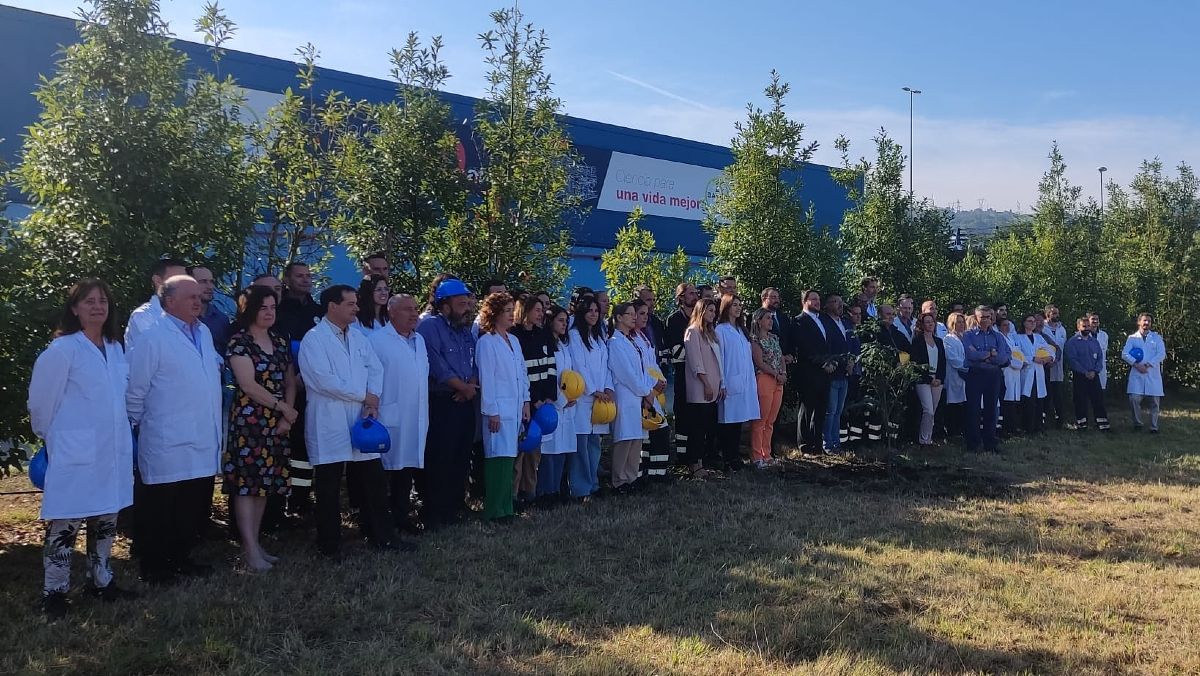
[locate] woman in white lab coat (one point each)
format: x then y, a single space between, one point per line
77 405
1033 377
737 375
656 443
956 386
373 294
560 446
1145 373
634 389
503 400
1010 404
589 354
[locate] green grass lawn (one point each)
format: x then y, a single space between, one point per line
1070 554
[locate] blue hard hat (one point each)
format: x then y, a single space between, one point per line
38 465
369 436
547 418
531 438
1137 353
449 289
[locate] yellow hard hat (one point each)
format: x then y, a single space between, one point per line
571 383
603 412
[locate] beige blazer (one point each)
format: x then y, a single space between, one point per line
702 356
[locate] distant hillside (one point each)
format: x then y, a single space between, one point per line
982 221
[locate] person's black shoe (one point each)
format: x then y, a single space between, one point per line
1154 430
193 569
55 606
112 593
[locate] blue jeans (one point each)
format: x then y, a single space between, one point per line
583 466
832 431
550 473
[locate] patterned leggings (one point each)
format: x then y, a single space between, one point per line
60 545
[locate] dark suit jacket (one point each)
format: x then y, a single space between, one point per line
786 332
920 355
893 337
838 345
811 346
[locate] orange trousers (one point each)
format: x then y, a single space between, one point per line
770 397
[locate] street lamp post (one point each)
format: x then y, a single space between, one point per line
911 93
1102 170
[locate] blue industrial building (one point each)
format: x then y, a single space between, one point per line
623 167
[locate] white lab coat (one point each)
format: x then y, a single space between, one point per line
1056 339
404 402
142 318
593 366
563 440
175 399
1102 338
630 382
650 361
956 387
337 377
503 391
77 405
1013 373
737 377
1154 351
1033 377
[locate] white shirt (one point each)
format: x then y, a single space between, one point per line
142 318
817 318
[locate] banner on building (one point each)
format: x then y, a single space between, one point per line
659 187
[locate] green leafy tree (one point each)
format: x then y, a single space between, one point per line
403 182
303 163
128 160
762 231
518 229
633 262
887 233
886 382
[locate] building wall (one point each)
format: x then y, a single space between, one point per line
622 167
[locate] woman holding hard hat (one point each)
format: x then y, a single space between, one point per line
503 400
589 355
1037 353
656 442
635 390
560 445
77 405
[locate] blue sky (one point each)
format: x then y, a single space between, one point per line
1113 82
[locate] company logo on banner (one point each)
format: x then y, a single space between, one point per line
660 187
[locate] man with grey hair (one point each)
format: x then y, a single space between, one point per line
403 403
174 398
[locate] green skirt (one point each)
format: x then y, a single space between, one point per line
498 487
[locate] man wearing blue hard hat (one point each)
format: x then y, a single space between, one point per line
453 388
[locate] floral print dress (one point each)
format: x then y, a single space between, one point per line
255 461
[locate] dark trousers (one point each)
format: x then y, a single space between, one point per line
982 386
1052 405
371 487
702 441
954 419
814 400
656 454
729 441
1084 392
168 519
682 422
447 458
1031 414
1010 411
300 470
401 483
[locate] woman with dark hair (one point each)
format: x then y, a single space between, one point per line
656 444
255 460
702 350
1033 379
634 389
589 354
740 404
77 405
929 350
503 400
540 368
373 294
558 447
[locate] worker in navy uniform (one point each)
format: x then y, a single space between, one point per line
296 315
1085 359
677 323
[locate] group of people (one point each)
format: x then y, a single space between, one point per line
499 398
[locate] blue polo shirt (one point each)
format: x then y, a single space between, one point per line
978 345
451 352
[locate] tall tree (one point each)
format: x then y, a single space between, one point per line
633 262
519 228
762 230
302 157
403 181
888 233
128 160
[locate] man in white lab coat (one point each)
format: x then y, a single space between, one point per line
174 398
1145 352
404 402
147 314
343 378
